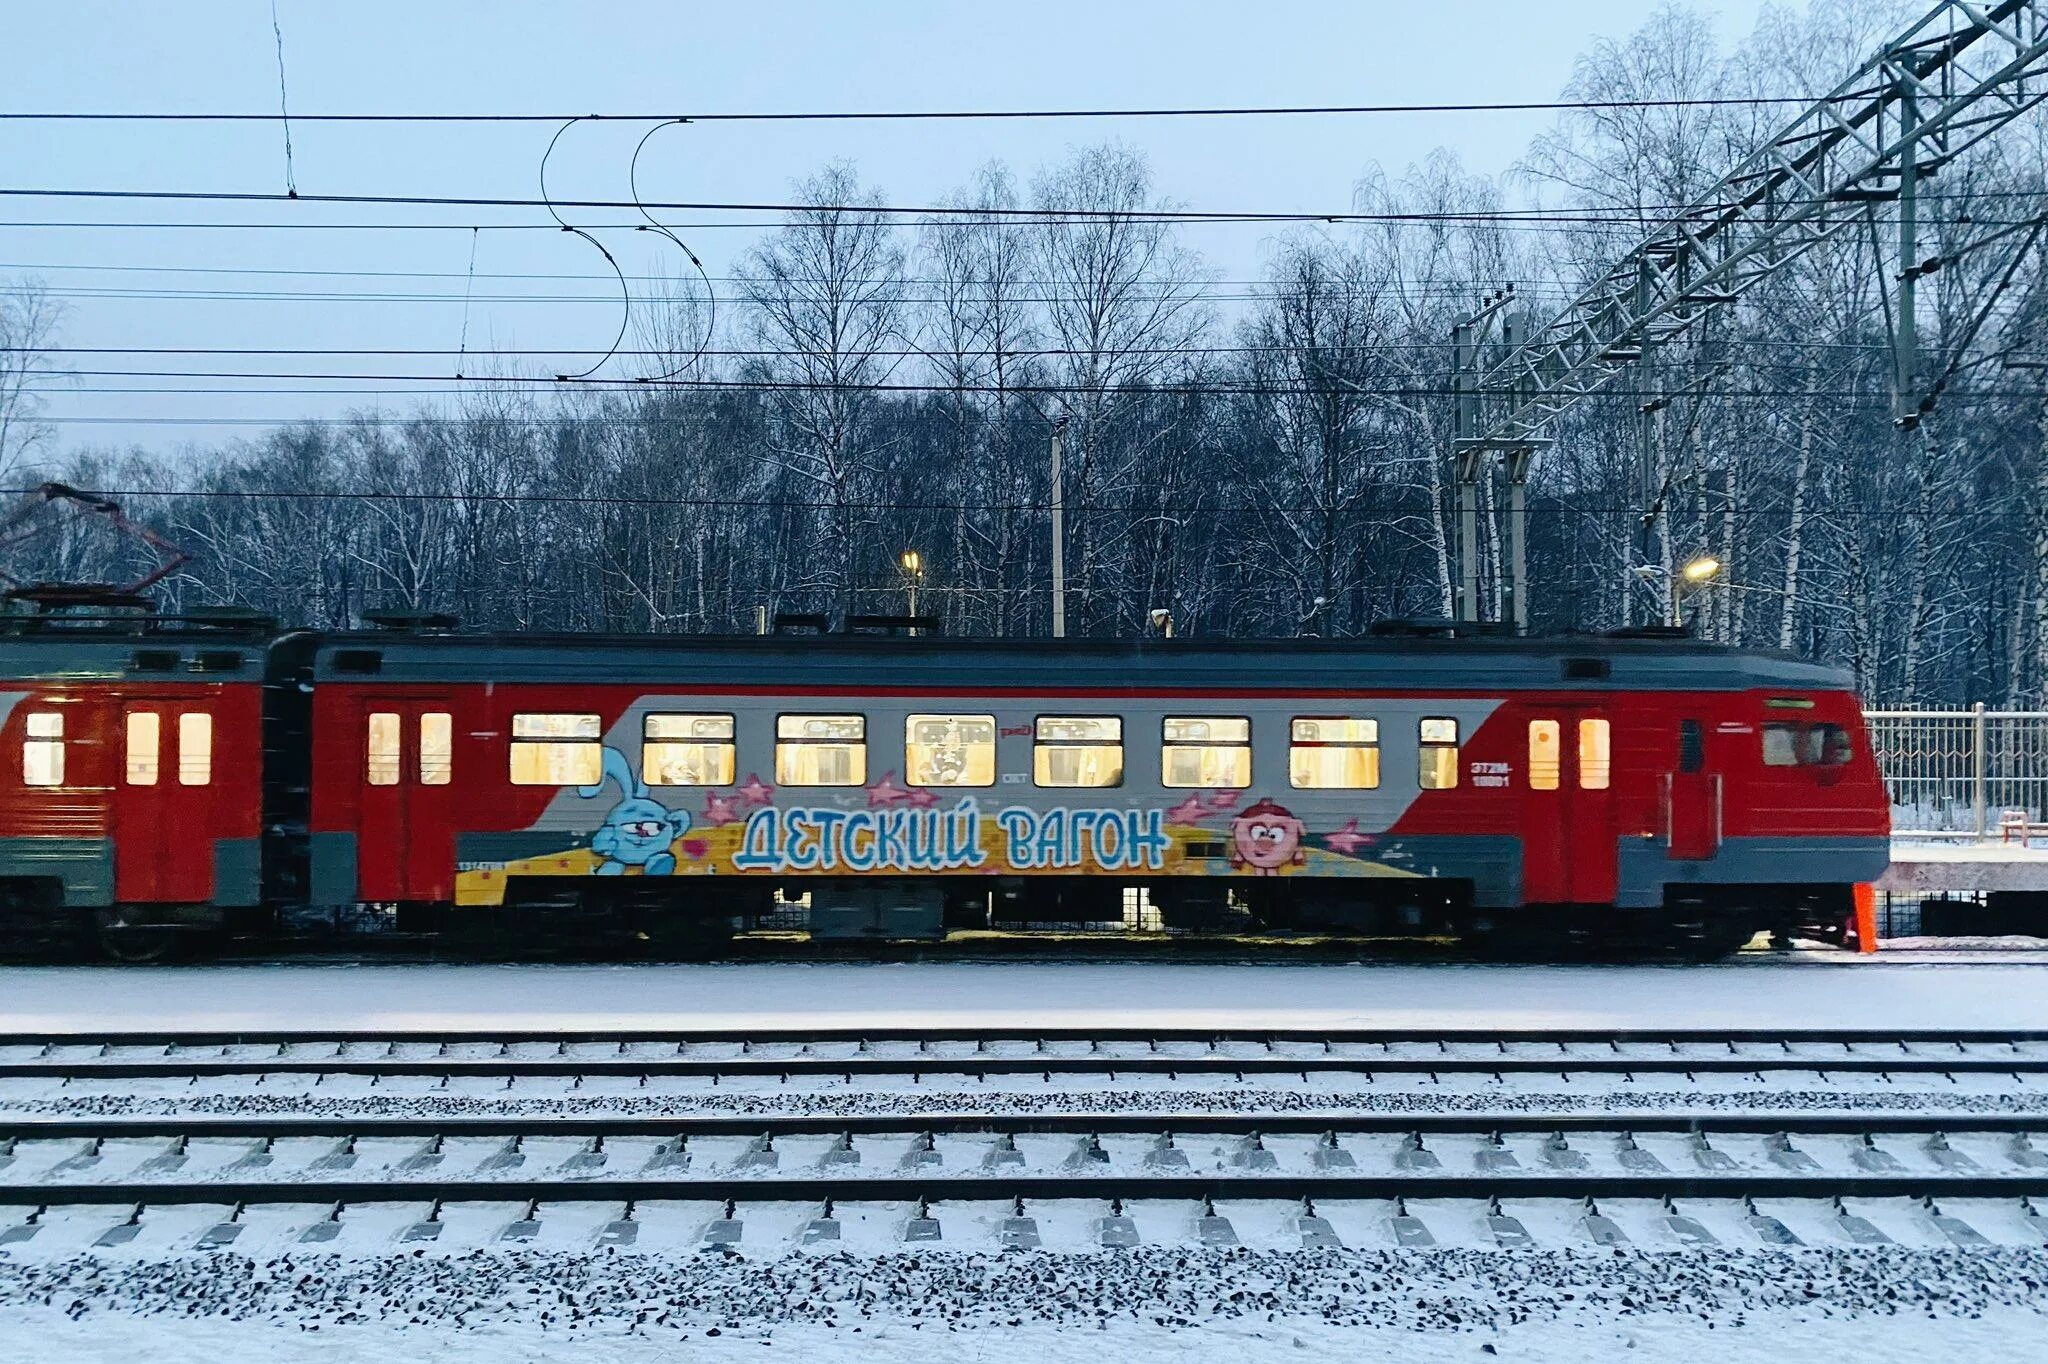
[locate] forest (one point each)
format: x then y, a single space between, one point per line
1258 458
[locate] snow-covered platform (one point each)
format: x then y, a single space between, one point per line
1933 866
1807 990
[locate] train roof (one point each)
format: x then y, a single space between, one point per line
1593 662
867 661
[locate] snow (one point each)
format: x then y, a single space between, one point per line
1907 850
1764 1338
1146 1304
1929 866
368 1295
1803 990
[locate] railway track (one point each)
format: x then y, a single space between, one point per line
568 1162
978 1054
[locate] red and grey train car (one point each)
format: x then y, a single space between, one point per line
1643 790
132 794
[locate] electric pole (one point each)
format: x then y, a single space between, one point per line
1059 534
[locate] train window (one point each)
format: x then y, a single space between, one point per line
1806 746
1337 753
42 755
1596 759
1692 746
1206 751
437 748
1078 750
821 750
380 756
195 748
949 750
1437 762
1781 745
145 729
1546 754
1828 745
687 750
557 750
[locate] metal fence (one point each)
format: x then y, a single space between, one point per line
1953 773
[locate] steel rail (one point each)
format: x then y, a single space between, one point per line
983 1066
913 1125
972 1188
783 1036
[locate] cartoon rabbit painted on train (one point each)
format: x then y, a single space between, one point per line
637 832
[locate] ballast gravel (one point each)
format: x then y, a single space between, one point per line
828 1103
1444 1290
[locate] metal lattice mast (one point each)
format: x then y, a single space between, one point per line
1958 75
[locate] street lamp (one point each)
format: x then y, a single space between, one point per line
912 564
1696 574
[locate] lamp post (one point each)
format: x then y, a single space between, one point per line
1696 574
912 564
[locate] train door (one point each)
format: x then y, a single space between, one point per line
1568 843
1692 799
405 831
167 801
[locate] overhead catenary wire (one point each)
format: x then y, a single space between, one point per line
915 115
1125 507
1618 215
1219 388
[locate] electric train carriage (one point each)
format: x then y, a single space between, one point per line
167 778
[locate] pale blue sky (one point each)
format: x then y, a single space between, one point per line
529 56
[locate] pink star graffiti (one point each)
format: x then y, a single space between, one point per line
754 791
886 792
720 809
922 799
1223 800
1189 811
1347 840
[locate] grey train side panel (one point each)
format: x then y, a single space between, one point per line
333 871
237 872
84 865
1816 860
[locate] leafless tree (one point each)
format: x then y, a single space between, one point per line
824 295
28 328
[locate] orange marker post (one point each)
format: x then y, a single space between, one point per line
1866 916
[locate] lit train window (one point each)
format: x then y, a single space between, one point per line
687 750
1335 753
145 729
42 754
949 750
821 750
557 750
1206 751
380 758
1595 755
1078 750
195 748
1546 754
1437 761
437 748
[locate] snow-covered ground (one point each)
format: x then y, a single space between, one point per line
469 1295
1808 990
1139 1306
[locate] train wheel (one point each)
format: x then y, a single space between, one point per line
122 940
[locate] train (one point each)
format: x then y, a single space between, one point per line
168 782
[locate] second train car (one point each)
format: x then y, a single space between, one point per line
1641 792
